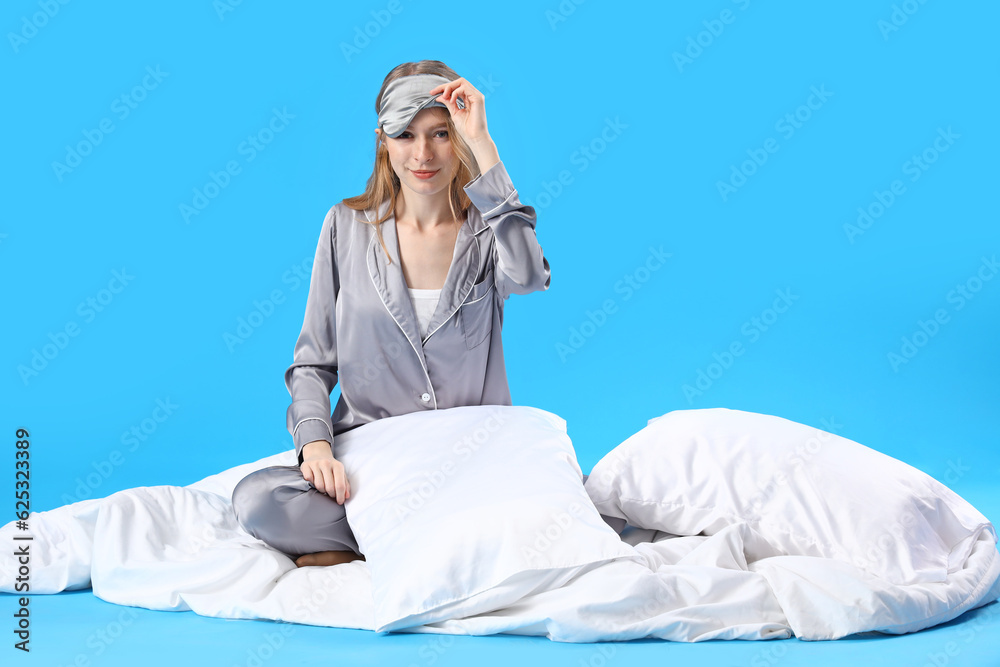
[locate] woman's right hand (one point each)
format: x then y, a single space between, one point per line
326 473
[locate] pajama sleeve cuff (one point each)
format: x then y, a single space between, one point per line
309 430
490 190
521 266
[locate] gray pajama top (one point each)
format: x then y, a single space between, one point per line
360 327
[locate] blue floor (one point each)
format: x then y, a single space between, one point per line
77 628
893 334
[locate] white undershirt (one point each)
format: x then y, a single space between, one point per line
424 302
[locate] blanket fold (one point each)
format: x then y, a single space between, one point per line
180 549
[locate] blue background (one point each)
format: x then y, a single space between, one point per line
555 84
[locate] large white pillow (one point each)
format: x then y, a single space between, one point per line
466 510
807 491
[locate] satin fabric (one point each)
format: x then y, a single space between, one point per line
404 97
360 329
279 506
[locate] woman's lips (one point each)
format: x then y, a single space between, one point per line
425 174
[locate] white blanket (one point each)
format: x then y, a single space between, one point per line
180 548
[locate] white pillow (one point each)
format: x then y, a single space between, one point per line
466 510
806 491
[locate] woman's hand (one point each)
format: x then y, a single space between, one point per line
470 121
326 473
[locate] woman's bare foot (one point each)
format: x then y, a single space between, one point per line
327 558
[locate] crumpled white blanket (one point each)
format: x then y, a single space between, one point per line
180 548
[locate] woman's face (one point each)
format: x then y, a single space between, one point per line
424 147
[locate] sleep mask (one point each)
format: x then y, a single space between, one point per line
404 97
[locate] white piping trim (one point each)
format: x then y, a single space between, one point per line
424 340
467 303
317 419
368 256
506 199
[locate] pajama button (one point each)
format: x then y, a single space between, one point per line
425 397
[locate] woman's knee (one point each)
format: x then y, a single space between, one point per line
260 499
279 506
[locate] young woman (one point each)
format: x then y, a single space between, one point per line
405 302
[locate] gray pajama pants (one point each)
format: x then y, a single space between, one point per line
280 507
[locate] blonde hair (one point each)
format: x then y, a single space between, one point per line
383 184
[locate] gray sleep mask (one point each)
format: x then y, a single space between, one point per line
404 97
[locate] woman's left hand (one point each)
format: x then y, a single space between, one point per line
470 121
